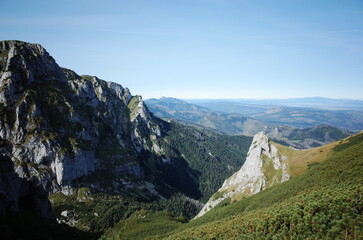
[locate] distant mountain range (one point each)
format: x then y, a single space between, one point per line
237 124
232 124
271 112
308 102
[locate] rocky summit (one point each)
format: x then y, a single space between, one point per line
58 126
264 167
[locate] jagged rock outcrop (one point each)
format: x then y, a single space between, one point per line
68 130
264 167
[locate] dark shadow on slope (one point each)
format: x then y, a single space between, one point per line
26 225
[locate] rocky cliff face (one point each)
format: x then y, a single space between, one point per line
63 133
264 167
64 130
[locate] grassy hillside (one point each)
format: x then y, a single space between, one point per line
325 202
144 223
300 160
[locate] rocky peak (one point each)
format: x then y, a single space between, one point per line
264 167
64 127
21 61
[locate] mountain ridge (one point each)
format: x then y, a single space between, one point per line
314 102
235 124
301 117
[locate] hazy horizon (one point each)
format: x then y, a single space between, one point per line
353 99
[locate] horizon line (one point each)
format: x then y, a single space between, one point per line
258 99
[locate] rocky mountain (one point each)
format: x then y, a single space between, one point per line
62 126
235 124
264 167
89 143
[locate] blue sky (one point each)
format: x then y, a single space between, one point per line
202 48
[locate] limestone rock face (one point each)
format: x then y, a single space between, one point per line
67 130
263 168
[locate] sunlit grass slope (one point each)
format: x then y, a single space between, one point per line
299 160
142 224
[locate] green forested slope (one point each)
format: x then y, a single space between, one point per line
326 202
212 156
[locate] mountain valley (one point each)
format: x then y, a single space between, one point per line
83 158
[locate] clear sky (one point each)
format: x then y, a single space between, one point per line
201 48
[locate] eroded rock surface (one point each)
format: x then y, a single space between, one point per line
263 168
